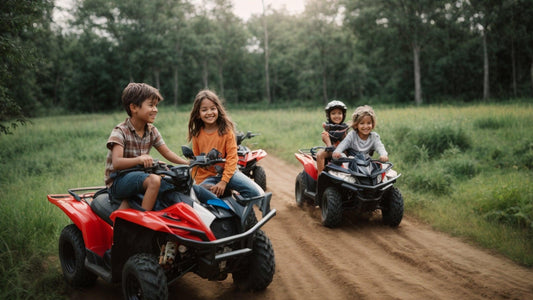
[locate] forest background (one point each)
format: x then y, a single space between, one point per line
360 51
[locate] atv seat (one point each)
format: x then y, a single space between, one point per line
102 206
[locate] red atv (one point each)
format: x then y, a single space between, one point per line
248 160
353 183
148 250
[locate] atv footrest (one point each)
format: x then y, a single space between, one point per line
99 270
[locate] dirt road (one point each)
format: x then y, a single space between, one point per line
359 260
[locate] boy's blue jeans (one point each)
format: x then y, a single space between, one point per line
130 185
239 182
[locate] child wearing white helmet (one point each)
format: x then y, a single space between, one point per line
334 130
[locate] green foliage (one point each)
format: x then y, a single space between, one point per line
524 153
359 51
493 122
509 204
430 142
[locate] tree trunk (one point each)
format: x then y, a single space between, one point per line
486 88
221 78
205 73
531 73
324 85
513 65
416 66
267 75
156 77
176 88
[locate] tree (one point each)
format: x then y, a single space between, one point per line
20 21
410 21
323 37
266 52
482 15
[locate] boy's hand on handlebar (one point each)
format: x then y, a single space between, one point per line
145 160
219 188
336 155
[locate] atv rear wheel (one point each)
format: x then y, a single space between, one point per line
331 207
72 256
259 176
143 278
392 209
260 266
299 190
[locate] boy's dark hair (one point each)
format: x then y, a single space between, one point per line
136 93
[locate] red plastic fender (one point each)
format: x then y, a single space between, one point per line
255 154
179 214
309 164
97 234
258 154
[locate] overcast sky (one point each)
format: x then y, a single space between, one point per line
245 8
242 8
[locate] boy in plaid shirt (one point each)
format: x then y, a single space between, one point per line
129 145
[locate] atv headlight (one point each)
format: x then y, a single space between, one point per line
343 176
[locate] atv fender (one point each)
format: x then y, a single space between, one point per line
252 156
155 220
309 164
97 234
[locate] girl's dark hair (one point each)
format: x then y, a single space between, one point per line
224 122
136 93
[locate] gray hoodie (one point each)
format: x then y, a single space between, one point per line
353 141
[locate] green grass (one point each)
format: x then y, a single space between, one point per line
466 171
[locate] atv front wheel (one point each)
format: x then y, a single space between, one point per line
331 207
260 266
392 209
260 177
143 278
72 256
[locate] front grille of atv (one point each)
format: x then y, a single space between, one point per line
369 195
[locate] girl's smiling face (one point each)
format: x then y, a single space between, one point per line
208 113
365 127
336 115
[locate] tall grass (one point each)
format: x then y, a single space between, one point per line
466 170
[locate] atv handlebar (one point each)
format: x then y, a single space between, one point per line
313 151
241 136
202 160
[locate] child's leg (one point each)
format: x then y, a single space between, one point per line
151 186
320 160
244 185
126 187
124 205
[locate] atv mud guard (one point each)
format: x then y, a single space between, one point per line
97 234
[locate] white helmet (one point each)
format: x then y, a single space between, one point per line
335 104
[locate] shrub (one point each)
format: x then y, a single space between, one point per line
523 154
430 178
491 123
430 142
510 205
